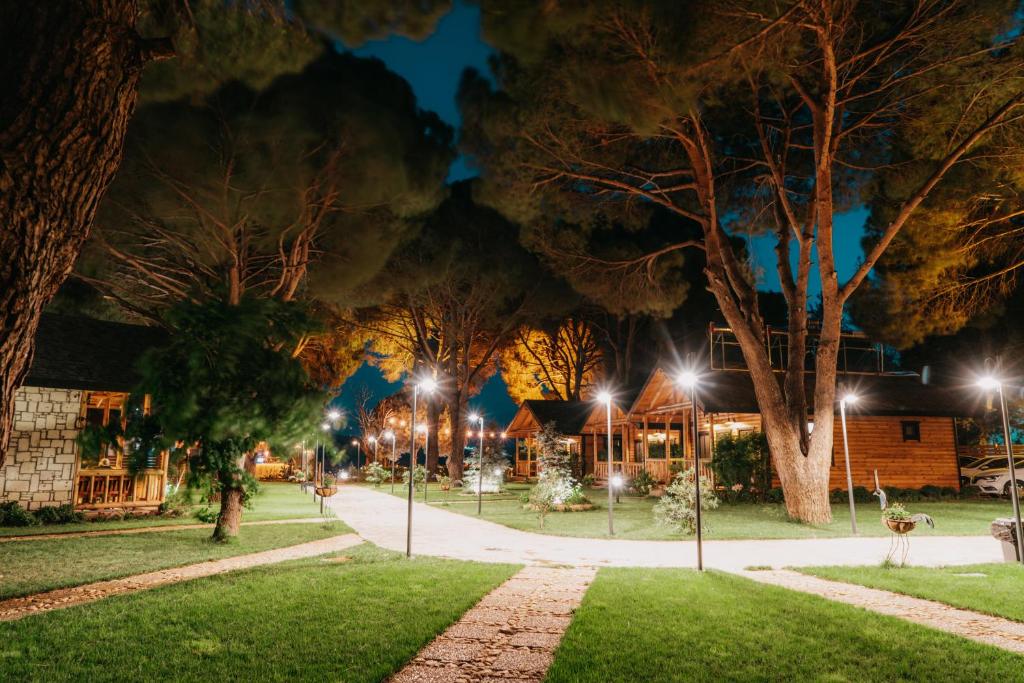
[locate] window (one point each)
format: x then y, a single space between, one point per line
911 430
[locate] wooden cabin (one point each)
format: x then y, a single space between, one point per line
901 427
82 373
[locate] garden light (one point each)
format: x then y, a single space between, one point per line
990 383
689 380
325 426
344 475
617 481
605 397
334 415
847 399
428 385
477 417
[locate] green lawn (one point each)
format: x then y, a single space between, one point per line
1000 591
676 625
33 566
276 500
308 620
634 518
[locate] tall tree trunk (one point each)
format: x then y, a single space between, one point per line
457 416
70 72
230 517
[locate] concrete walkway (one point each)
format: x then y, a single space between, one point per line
380 518
16 608
149 529
983 628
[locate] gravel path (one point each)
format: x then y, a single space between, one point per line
16 608
148 529
380 518
510 635
984 628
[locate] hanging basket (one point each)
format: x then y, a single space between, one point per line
326 491
900 526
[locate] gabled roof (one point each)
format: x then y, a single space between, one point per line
84 353
568 416
732 391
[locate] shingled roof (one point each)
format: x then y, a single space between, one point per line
84 353
732 391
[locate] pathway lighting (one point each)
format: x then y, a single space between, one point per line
476 417
689 379
427 385
605 397
358 445
390 434
989 382
848 399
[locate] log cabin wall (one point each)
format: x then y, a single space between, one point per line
877 442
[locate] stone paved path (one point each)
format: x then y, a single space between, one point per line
1003 633
148 529
380 518
16 608
510 635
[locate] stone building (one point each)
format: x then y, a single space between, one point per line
82 372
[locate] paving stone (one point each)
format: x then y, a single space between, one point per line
428 674
545 622
539 640
529 661
450 650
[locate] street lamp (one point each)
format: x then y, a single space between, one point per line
475 417
326 427
689 380
358 445
848 399
428 385
334 415
606 398
990 383
373 440
390 434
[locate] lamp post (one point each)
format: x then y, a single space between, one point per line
476 417
326 426
390 434
848 399
428 385
990 383
690 380
358 445
373 440
606 398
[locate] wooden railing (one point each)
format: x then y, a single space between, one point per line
989 450
659 469
107 487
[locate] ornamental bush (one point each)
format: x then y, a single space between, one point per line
494 464
377 474
743 460
555 483
643 483
676 508
419 476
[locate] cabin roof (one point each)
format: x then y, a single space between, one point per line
73 352
732 391
568 416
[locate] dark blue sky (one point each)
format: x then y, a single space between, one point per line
433 68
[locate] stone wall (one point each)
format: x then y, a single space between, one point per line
40 466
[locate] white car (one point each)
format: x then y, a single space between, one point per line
996 481
979 466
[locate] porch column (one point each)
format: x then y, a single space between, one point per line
647 448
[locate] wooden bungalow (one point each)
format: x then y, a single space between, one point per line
81 373
569 418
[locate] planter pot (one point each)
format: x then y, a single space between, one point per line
326 491
900 526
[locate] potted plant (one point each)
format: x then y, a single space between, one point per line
900 521
327 487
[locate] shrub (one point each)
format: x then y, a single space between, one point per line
377 474
494 466
555 485
643 483
931 491
774 496
419 475
12 514
61 514
744 460
588 480
676 509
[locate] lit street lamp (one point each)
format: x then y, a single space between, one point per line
606 398
990 383
390 434
373 440
688 379
358 445
428 385
326 427
475 417
426 447
848 399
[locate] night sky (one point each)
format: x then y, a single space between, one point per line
433 68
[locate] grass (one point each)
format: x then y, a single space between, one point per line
999 592
678 625
33 566
634 518
307 620
275 500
